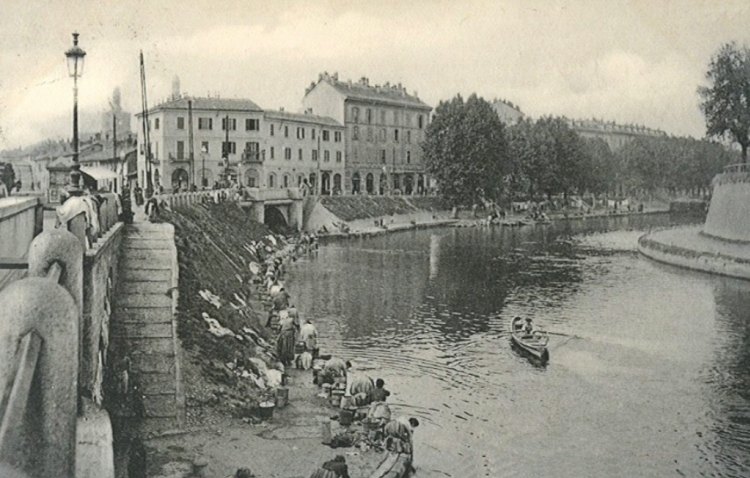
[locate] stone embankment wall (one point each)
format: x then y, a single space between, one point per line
729 214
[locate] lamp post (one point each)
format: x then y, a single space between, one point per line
75 58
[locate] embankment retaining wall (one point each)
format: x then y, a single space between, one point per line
729 214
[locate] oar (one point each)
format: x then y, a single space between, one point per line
564 335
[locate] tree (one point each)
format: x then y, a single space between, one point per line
726 102
465 151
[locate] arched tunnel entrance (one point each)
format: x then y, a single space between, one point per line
275 220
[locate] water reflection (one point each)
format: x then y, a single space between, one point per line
649 369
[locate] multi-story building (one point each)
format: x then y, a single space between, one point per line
384 126
303 149
234 140
201 141
615 135
508 113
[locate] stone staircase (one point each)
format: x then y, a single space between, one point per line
144 322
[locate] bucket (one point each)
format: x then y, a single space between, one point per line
336 395
265 410
282 397
346 417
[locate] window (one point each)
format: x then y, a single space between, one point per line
271 130
408 136
326 135
338 156
180 122
286 180
228 148
313 133
326 156
408 157
355 133
369 116
286 131
251 149
382 116
395 135
287 153
204 147
252 124
180 149
300 133
205 123
271 153
314 154
337 136
369 134
382 134
382 156
420 121
355 114
232 122
271 180
299 154
156 123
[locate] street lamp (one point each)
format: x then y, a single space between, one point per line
75 58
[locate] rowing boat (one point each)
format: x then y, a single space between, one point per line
534 344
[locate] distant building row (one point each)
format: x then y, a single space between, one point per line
352 138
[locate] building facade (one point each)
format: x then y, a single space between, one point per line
384 126
303 150
235 141
615 135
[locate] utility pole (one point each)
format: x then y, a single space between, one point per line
146 131
114 145
190 142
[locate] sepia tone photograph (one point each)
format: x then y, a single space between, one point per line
374 239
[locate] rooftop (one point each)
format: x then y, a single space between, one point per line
302 118
361 90
215 104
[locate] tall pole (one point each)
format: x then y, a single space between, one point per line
226 150
75 57
114 145
146 131
190 142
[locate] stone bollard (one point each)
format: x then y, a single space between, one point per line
45 442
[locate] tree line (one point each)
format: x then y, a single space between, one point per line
476 158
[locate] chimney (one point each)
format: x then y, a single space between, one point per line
175 87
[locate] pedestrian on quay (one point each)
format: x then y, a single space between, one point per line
378 394
281 300
309 335
285 340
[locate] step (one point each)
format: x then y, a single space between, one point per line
153 363
151 315
141 329
150 345
143 287
134 243
160 406
143 300
158 275
157 384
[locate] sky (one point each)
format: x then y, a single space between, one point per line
629 61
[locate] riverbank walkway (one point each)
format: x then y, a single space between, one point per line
689 248
143 324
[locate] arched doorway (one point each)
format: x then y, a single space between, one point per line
420 184
408 184
355 183
251 178
396 184
369 186
180 180
383 184
275 220
325 184
337 184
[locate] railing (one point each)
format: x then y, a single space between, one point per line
251 157
231 194
21 219
737 168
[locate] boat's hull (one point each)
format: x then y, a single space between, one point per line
540 353
535 346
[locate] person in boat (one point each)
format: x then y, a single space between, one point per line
528 327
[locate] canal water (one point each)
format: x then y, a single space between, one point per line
649 372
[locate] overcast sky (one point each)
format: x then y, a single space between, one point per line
631 61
